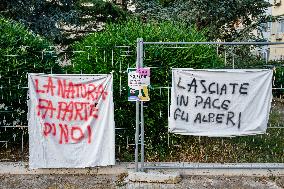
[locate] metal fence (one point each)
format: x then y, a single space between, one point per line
133 130
13 108
267 148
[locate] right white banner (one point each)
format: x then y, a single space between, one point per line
220 103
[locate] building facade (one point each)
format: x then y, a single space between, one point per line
276 31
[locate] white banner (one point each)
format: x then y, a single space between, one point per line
71 121
220 102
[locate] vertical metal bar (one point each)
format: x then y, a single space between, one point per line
169 112
266 56
136 136
120 79
142 135
217 50
112 58
137 112
225 57
233 58
141 53
22 154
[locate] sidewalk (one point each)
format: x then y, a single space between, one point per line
112 181
185 169
231 176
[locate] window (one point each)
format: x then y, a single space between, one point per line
266 27
280 26
277 2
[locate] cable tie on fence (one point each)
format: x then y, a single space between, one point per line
11 55
78 51
122 46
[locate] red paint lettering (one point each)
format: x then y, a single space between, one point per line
68 133
63 133
37 88
49 87
61 88
91 89
84 91
45 106
79 108
54 129
76 111
89 133
94 110
64 109
71 90
80 134
102 92
47 129
81 90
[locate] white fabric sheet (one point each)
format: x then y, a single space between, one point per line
71 121
220 102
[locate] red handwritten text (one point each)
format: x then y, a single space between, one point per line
68 89
67 134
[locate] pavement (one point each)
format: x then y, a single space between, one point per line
193 176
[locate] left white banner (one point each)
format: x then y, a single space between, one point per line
71 121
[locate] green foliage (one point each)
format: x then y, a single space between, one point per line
166 2
98 59
244 149
100 10
226 20
224 17
279 80
59 19
20 53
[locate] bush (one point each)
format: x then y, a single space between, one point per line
20 53
97 58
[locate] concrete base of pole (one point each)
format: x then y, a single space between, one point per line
155 177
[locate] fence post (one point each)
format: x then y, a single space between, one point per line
233 57
137 111
266 56
141 53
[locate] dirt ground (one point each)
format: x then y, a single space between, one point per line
112 181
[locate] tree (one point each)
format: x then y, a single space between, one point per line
21 52
225 20
123 3
60 19
97 58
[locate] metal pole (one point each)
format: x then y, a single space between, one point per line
142 107
217 50
266 56
233 58
168 112
225 58
222 166
22 145
233 61
214 43
136 136
137 113
142 136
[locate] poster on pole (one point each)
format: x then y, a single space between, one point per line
71 121
220 103
138 84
